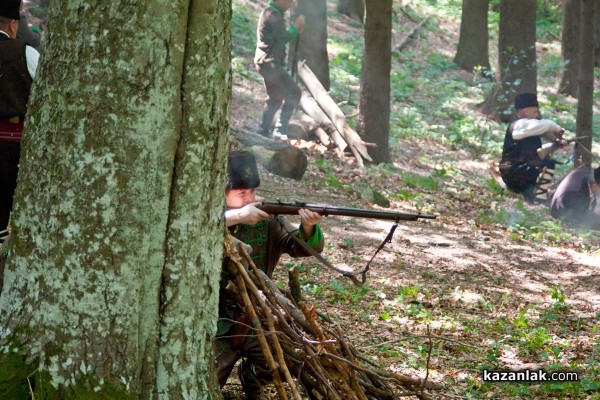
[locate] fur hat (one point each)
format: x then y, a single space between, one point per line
596 173
525 100
10 9
242 172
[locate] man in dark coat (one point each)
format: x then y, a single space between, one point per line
18 64
521 168
272 38
270 237
575 199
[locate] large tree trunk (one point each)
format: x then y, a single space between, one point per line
374 106
473 46
585 105
312 45
116 241
516 58
570 48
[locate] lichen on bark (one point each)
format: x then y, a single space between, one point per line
119 198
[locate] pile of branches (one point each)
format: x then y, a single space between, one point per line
304 347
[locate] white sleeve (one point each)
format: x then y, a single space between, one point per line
32 56
525 127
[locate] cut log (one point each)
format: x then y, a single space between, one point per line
354 141
277 157
312 109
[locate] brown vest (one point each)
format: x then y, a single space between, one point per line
15 81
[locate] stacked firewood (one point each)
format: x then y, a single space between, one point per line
302 347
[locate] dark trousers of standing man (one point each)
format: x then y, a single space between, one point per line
281 89
9 167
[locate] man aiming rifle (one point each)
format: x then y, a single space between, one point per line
521 168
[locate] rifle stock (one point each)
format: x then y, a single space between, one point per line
291 208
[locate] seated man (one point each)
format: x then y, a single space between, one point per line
520 167
270 237
575 199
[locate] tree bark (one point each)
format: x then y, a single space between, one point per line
374 105
570 48
117 231
597 33
312 45
516 59
473 46
585 105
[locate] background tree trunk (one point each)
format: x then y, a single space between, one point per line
473 46
585 105
116 241
516 58
374 105
597 33
570 48
312 45
355 9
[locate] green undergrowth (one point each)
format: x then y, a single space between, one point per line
21 380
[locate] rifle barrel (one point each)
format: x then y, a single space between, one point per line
290 208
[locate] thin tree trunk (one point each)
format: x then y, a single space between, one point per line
116 241
517 68
570 48
374 117
312 45
473 46
586 84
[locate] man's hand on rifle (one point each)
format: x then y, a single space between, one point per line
247 215
299 23
308 220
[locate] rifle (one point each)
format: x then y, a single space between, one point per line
549 148
279 207
290 208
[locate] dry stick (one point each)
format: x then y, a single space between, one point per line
428 359
408 36
271 325
310 315
288 306
271 290
257 325
383 374
294 282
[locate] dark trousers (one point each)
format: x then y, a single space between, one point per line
9 167
254 371
281 89
522 177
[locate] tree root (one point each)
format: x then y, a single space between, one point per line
304 350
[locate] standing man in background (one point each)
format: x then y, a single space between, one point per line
18 64
521 167
272 38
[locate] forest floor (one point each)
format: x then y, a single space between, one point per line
496 281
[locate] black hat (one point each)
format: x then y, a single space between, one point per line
597 175
241 171
525 100
10 9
